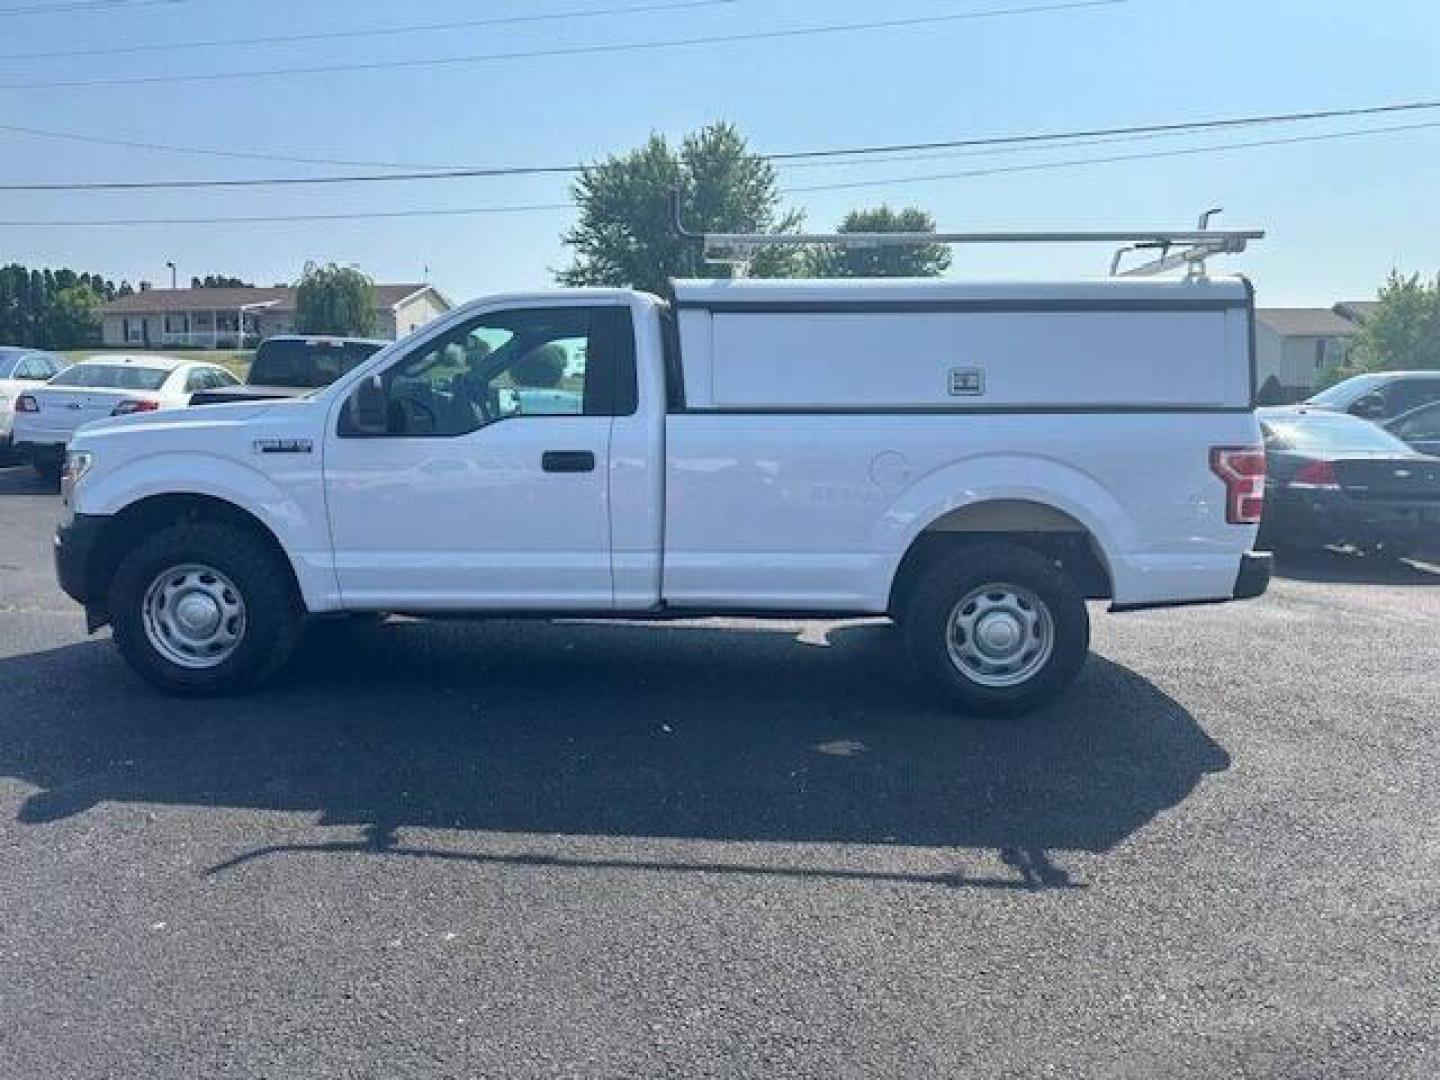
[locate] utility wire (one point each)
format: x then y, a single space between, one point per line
384 31
461 211
81 5
570 50
1002 170
845 154
253 219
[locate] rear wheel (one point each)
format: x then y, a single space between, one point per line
203 608
999 628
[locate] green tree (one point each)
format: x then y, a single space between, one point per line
920 260
335 299
220 281
1403 333
71 319
625 236
50 308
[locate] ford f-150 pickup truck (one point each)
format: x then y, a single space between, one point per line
973 460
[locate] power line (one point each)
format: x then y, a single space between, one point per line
572 50
81 5
386 31
1141 129
845 186
206 151
1111 159
258 218
792 157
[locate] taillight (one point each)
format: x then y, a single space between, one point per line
26 403
1316 476
1242 468
134 405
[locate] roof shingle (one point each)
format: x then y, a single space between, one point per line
160 301
1305 322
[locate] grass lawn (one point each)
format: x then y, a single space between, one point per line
236 361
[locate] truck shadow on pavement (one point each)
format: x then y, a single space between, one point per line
816 734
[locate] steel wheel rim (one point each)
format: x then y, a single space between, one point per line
194 616
1000 635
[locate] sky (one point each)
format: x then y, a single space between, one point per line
1341 214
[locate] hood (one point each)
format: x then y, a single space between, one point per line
189 424
238 412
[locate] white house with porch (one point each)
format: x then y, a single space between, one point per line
240 318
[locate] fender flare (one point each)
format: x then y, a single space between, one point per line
1007 477
304 540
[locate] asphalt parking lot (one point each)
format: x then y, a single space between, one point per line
725 848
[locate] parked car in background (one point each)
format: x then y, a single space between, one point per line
103 386
291 365
21 369
1419 428
1381 395
1337 479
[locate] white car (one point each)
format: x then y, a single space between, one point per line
21 369
46 417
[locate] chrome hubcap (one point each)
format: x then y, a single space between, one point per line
194 615
1000 635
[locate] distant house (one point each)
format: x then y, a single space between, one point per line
210 318
1296 346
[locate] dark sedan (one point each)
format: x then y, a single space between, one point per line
1337 479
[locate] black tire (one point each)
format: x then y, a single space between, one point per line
272 612
939 590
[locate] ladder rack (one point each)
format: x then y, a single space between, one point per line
1176 247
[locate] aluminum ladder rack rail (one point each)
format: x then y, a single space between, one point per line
1176 247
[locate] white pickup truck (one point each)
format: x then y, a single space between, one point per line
973 460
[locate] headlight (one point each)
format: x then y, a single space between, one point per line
77 464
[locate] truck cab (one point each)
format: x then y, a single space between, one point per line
975 461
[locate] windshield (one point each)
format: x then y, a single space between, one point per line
1330 433
112 377
1343 394
306 364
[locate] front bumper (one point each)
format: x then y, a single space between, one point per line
77 544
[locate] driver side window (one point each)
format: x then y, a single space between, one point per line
504 365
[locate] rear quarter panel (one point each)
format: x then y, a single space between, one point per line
817 510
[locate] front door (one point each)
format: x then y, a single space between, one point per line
485 486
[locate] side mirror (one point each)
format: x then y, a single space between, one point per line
369 408
1369 407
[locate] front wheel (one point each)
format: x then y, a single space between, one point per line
1000 629
203 608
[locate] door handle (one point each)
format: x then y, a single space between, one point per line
568 461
